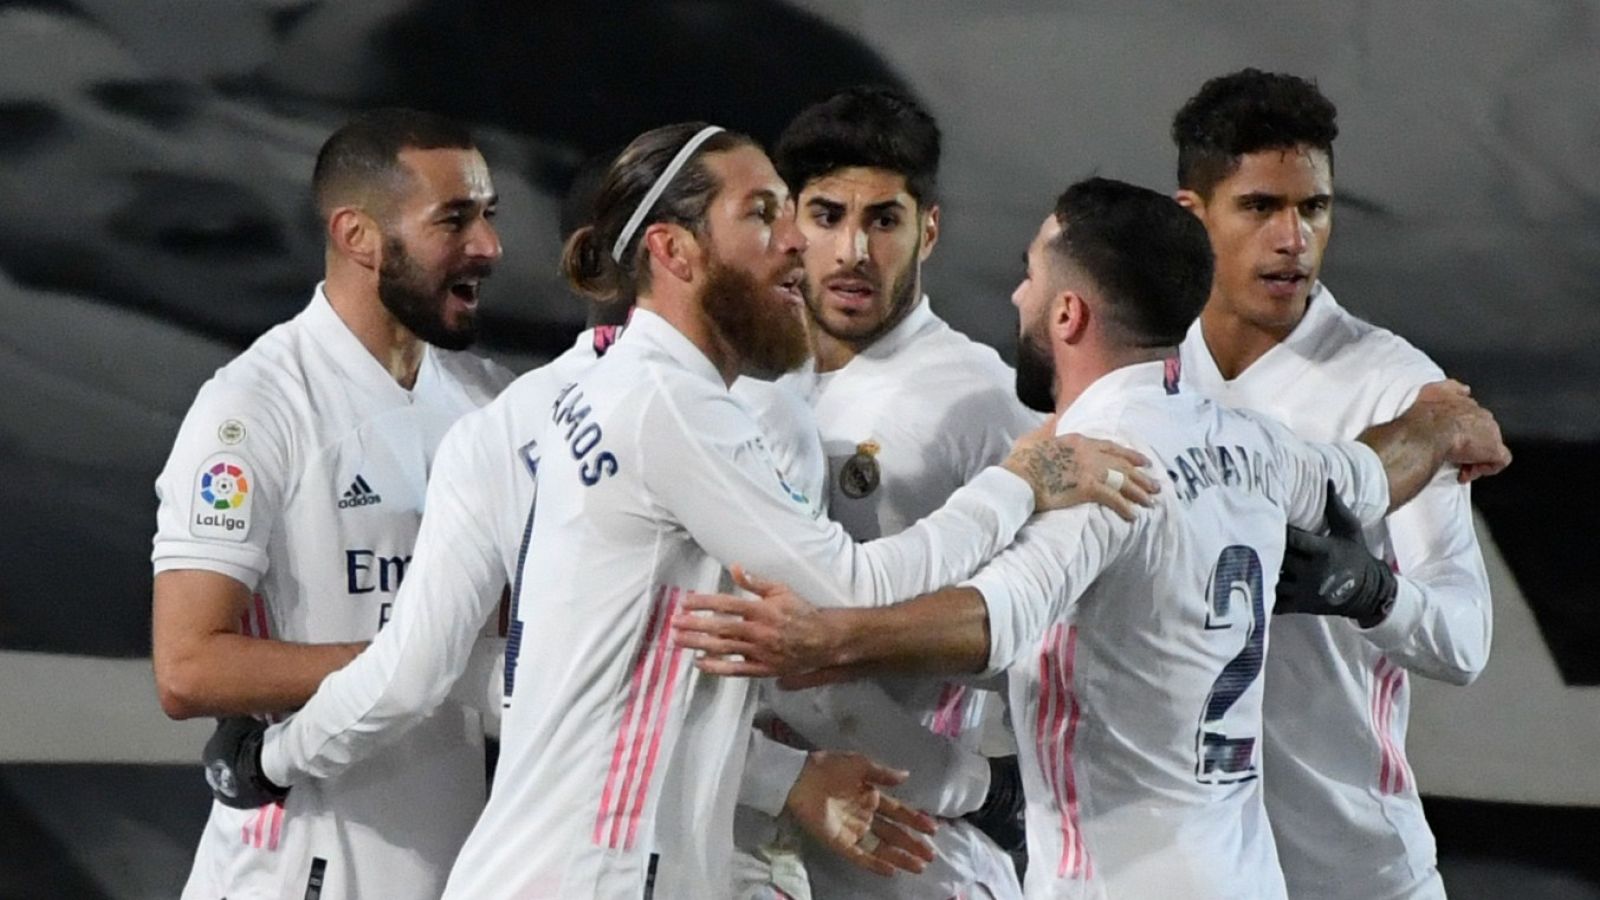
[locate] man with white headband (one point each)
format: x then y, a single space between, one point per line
620 765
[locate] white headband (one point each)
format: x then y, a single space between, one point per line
657 189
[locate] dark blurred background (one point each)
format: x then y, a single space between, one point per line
155 218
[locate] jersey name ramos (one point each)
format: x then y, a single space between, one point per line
1138 714
620 764
1338 696
300 471
907 421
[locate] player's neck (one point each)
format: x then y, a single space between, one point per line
1234 342
831 353
1076 372
390 343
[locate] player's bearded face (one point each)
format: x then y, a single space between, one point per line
759 316
1036 371
884 297
431 304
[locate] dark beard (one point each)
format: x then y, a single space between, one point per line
404 292
770 338
1036 376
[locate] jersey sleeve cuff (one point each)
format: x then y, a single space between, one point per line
240 572
997 601
1371 501
1402 618
274 765
770 772
1011 496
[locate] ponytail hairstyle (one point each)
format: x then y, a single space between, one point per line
587 260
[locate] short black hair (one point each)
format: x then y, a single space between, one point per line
1246 112
871 126
365 152
1150 257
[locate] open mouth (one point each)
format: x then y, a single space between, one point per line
1285 283
466 290
789 287
852 293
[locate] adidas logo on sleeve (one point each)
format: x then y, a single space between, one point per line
359 494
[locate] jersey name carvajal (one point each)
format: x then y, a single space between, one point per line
1337 695
1138 714
300 471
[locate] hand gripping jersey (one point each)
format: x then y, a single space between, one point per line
300 471
1342 797
905 423
620 764
1138 713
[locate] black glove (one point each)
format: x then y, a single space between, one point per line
1333 574
1000 816
233 764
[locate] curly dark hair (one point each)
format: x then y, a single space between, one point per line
1245 112
871 126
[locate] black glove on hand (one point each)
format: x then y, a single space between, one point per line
1333 574
233 764
1000 816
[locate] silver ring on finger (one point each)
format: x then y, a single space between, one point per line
868 842
1115 479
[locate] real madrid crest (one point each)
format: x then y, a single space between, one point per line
859 476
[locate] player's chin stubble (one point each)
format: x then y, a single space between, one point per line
767 333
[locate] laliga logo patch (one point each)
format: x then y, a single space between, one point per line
222 499
859 476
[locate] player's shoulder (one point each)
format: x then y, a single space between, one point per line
1368 350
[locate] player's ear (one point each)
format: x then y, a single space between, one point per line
1070 317
1190 200
673 248
356 235
930 232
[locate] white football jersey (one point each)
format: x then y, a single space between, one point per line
1338 696
1138 714
904 424
300 471
620 764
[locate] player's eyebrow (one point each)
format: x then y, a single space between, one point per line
1259 198
468 204
823 204
893 204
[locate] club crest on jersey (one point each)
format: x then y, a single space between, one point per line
860 475
222 499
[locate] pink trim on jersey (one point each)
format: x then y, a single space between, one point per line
1055 727
947 716
257 832
1392 767
647 695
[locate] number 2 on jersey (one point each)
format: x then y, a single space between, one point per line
1225 742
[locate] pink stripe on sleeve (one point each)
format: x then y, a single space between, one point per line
635 689
673 654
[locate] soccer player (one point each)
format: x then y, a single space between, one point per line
1135 647
291 502
1255 164
619 763
910 410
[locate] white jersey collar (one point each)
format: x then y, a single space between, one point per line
647 326
1109 389
1321 309
350 355
921 316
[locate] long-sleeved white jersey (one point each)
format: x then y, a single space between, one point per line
1138 714
620 763
1342 797
300 472
904 424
